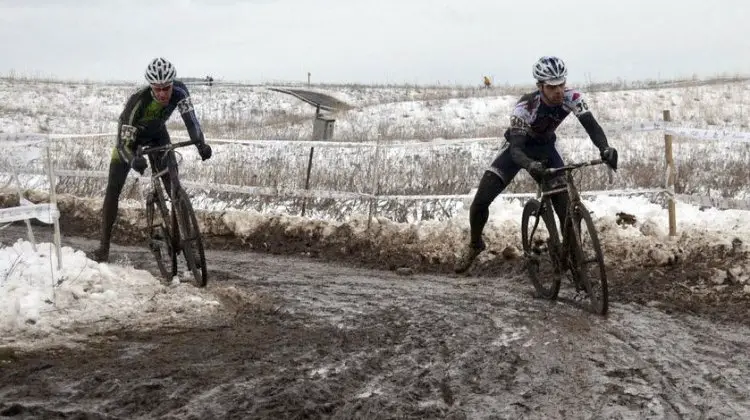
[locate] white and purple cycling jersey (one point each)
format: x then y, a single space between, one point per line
532 117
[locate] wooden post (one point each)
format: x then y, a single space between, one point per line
375 173
307 178
670 176
309 162
308 79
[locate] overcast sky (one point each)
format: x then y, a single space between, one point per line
374 41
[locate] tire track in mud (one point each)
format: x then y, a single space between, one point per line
637 358
714 365
338 342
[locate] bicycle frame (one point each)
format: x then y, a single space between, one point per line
574 197
179 223
169 167
570 186
566 253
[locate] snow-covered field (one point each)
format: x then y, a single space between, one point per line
424 122
413 128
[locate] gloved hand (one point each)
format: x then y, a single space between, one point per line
536 169
609 155
204 150
139 164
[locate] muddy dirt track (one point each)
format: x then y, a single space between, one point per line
327 340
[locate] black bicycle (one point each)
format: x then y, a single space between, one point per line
172 225
579 255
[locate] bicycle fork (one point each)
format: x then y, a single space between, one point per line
158 237
572 238
561 256
553 250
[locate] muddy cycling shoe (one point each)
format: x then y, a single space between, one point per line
100 254
470 254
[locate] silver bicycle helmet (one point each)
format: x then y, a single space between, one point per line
550 70
160 72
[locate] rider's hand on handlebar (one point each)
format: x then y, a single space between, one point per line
537 169
139 164
609 155
204 150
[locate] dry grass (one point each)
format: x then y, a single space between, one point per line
437 170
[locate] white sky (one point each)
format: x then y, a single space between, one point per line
414 41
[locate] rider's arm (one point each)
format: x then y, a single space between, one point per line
187 112
595 131
581 110
518 132
517 143
126 130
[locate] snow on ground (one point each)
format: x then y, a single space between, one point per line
41 304
645 242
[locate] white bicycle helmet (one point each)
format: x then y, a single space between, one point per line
550 70
160 72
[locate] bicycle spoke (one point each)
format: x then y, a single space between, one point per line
540 244
159 238
580 257
192 243
172 225
593 270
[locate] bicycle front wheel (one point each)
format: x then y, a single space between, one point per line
160 240
541 245
191 240
590 261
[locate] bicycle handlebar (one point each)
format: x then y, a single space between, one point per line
147 150
571 166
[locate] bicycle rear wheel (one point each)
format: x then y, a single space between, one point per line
191 240
160 237
589 261
541 248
